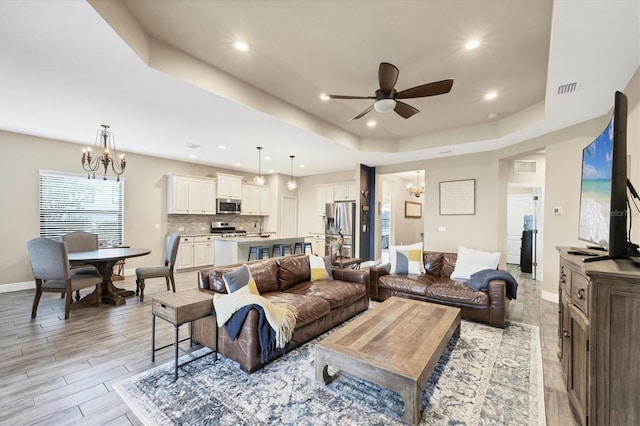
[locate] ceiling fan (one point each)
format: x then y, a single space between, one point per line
387 96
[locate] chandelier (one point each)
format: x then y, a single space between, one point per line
292 184
259 180
418 189
105 140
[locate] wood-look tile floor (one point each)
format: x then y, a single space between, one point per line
56 372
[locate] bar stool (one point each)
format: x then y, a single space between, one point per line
303 247
259 251
281 249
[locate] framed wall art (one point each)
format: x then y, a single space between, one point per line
458 197
412 210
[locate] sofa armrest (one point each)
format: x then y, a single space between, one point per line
376 272
352 275
499 304
203 279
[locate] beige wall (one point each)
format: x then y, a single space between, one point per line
145 193
145 198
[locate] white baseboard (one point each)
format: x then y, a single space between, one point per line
8 288
31 285
551 297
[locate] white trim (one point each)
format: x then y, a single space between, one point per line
549 296
25 285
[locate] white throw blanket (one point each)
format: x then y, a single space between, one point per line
281 317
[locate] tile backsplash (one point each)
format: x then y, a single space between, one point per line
195 223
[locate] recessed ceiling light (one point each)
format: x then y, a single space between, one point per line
371 123
237 164
222 147
241 45
301 166
472 44
192 155
493 115
267 158
490 95
324 97
271 170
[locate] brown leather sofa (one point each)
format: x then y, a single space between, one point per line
436 286
321 305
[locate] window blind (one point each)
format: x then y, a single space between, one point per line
71 202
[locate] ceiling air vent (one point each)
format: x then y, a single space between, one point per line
524 167
567 88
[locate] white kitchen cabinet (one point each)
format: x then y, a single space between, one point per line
229 186
190 195
256 200
185 253
195 252
203 251
324 195
318 245
345 192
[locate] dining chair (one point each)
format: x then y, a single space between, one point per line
81 241
50 265
165 271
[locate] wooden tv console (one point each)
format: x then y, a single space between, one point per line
599 338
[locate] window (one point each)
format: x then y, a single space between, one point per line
71 202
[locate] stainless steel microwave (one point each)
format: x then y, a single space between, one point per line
225 205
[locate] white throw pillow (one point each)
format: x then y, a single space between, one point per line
406 259
470 261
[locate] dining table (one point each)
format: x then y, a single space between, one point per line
103 260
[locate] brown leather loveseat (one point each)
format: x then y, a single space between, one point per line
436 286
320 305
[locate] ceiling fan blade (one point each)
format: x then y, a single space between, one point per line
387 75
405 110
429 89
362 113
350 97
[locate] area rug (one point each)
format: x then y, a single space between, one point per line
486 376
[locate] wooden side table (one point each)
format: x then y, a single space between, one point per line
347 262
177 309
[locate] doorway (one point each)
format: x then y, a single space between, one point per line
524 225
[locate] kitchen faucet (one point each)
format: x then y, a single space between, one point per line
255 225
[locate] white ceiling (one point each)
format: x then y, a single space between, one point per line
165 75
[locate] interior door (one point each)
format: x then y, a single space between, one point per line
518 206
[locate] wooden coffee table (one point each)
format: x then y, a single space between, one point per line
396 345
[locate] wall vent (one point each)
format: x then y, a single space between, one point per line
525 167
567 88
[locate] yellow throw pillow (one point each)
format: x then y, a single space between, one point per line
318 268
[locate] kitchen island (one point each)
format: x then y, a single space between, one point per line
230 250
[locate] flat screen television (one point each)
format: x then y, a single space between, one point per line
603 194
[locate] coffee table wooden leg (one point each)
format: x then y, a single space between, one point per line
411 397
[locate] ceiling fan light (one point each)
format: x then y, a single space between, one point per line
385 105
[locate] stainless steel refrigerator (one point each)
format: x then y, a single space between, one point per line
339 219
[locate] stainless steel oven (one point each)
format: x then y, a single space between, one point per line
225 205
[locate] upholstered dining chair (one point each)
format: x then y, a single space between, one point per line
165 271
50 265
81 241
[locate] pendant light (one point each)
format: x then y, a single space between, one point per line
259 180
292 184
